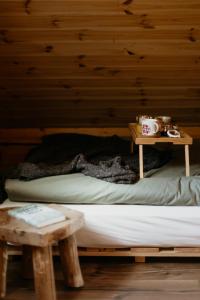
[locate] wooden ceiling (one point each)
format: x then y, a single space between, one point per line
98 63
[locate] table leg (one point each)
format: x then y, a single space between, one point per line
43 273
187 161
70 262
141 161
132 146
3 268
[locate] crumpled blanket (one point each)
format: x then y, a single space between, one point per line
112 170
106 158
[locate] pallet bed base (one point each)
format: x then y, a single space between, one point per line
139 253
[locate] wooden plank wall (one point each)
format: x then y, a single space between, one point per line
16 142
98 63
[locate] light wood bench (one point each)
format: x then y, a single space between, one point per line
39 242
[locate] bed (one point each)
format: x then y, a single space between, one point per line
134 230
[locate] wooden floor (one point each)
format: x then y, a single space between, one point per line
119 279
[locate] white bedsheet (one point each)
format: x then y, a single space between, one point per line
134 225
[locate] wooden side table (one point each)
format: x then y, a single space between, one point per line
40 242
141 140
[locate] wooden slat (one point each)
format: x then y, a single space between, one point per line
13 8
83 73
106 48
111 97
78 21
100 63
67 83
161 33
105 100
93 118
134 251
34 135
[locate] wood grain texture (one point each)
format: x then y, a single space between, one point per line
80 63
17 231
15 143
120 278
43 273
70 262
135 252
3 268
139 139
26 137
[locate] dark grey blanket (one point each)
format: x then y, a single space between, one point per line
106 158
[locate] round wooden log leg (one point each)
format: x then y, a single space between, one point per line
70 262
43 273
3 268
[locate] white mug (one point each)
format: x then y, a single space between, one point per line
150 127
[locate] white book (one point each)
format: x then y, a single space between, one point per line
37 215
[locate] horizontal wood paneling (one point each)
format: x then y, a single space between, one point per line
84 105
183 18
98 63
134 81
88 7
60 117
173 33
29 136
132 94
149 47
15 143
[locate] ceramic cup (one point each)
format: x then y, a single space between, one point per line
150 127
139 120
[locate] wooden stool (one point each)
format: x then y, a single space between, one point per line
40 242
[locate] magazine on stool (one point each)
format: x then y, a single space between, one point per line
37 215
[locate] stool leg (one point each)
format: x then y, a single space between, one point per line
3 268
43 273
70 262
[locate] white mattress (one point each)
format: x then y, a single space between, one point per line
134 225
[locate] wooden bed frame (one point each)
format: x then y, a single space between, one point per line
15 143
